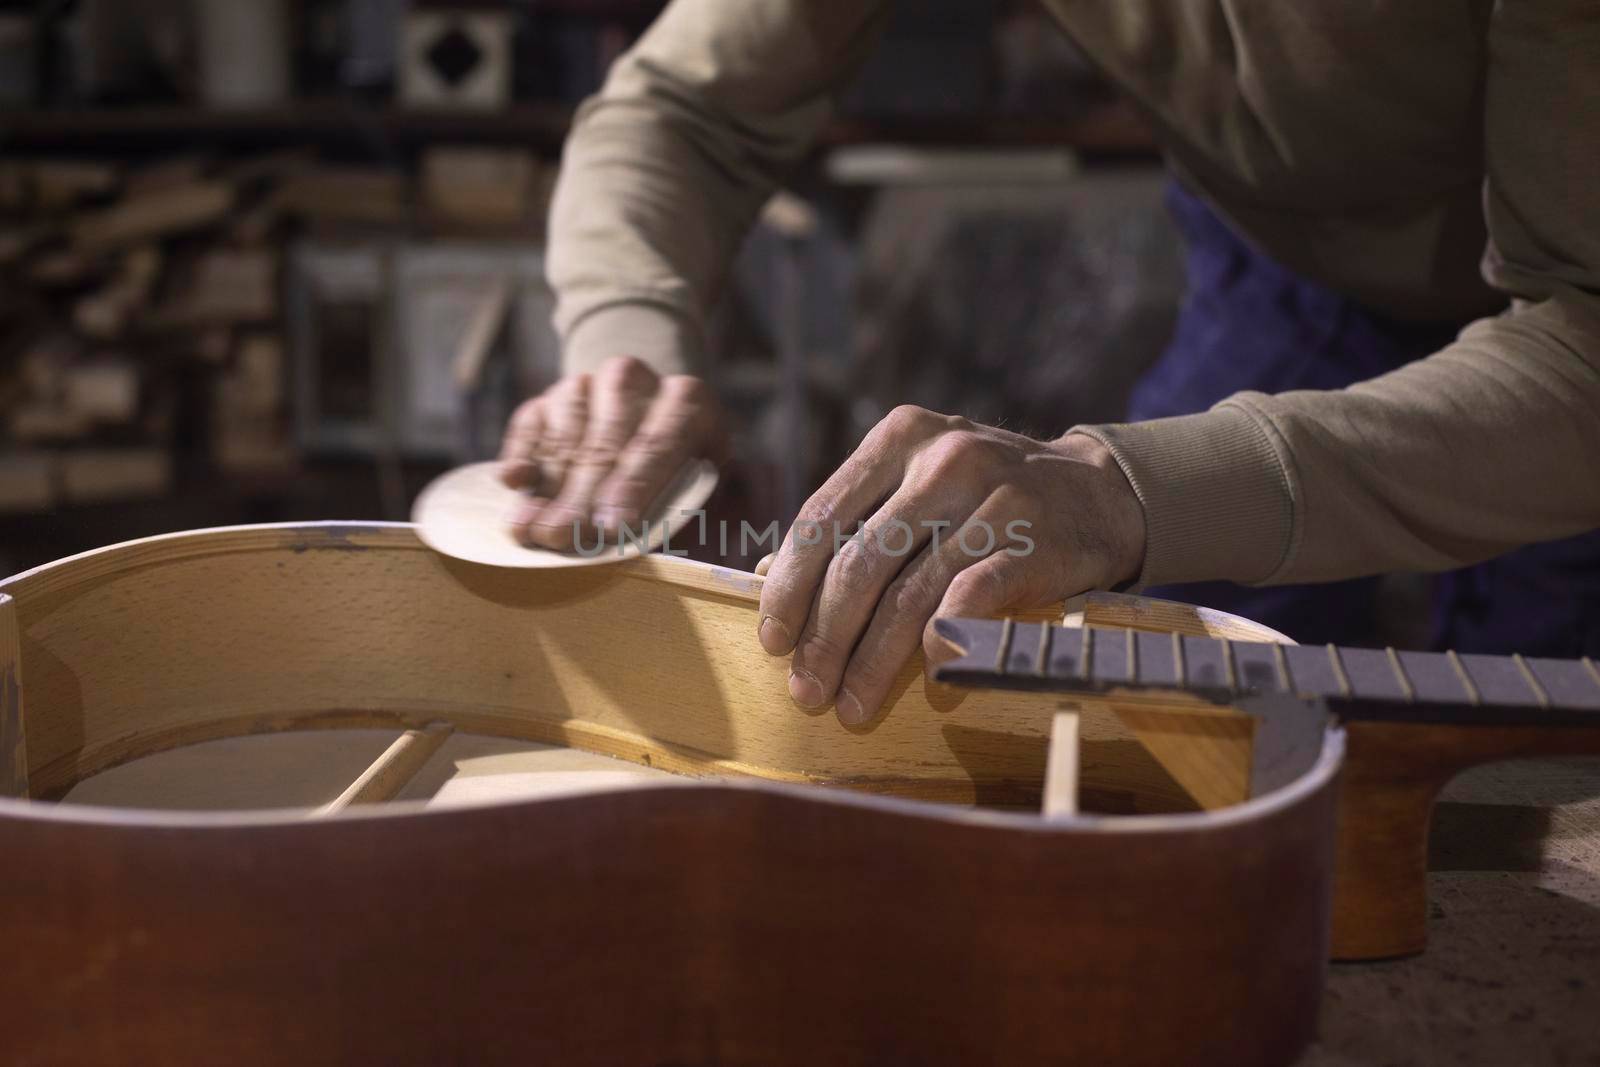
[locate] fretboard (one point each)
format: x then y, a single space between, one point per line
1358 683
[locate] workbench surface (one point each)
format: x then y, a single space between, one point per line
1511 977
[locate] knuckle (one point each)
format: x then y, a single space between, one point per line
909 597
980 584
627 372
596 454
820 509
853 567
907 420
685 389
527 413
954 455
649 446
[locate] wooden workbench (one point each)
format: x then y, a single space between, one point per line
1512 970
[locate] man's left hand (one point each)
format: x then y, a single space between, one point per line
955 519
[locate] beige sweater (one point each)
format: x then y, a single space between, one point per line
1429 157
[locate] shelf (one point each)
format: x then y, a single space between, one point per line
1111 129
331 121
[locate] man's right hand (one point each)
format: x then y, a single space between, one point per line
595 450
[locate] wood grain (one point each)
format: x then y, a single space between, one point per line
719 921
239 631
1061 773
393 769
1393 775
703 923
13 738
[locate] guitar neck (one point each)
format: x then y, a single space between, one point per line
1357 683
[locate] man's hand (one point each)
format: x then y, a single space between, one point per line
595 451
960 519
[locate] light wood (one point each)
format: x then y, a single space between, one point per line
479 187
1206 750
693 911
1393 776
13 736
345 625
1061 772
465 513
155 214
292 769
393 769
1100 608
92 475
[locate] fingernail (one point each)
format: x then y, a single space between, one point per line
774 635
849 709
804 689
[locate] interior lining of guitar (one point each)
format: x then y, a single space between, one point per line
303 668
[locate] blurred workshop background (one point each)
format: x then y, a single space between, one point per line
282 259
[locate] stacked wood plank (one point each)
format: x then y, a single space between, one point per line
127 291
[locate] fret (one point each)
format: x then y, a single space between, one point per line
1259 668
1019 658
1498 681
1433 679
1158 659
1066 653
1540 695
1473 696
1360 684
1110 661
1406 687
1567 682
1370 677
1338 670
1204 665
1311 671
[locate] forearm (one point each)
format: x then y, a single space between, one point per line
1492 443
668 166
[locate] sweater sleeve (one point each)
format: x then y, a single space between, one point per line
1491 443
668 166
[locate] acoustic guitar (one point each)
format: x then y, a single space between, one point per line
1072 864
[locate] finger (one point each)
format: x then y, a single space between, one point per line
764 564
854 490
902 613
990 587
565 415
859 573
618 398
518 470
676 428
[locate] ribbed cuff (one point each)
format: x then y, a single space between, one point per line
1217 495
646 332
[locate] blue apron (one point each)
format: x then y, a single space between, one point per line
1249 323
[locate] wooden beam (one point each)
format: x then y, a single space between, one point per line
1061 767
390 772
13 740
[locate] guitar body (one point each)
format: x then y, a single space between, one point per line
923 910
